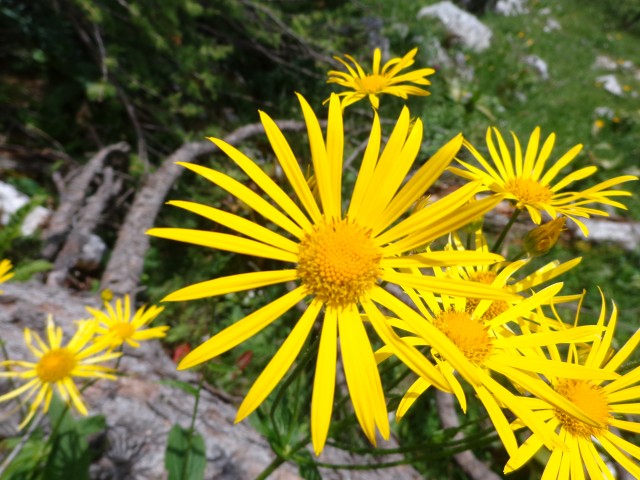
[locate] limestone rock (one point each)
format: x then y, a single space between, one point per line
472 32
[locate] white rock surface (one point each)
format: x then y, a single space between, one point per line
610 84
538 64
472 32
11 200
510 8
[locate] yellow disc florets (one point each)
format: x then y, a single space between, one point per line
528 191
591 399
55 365
122 330
371 84
469 335
338 262
496 307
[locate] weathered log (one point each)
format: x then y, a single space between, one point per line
88 219
124 268
72 199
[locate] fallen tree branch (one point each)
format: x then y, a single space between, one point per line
125 265
72 199
86 223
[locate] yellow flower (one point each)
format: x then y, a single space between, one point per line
5 267
530 185
56 366
606 403
473 345
338 258
505 275
117 326
379 81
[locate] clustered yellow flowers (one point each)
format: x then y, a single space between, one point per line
466 319
56 365
470 318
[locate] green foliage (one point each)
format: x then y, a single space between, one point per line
185 457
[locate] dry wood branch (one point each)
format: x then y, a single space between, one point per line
72 199
123 271
86 223
467 460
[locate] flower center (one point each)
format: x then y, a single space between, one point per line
123 330
339 262
55 365
528 191
469 335
371 83
484 277
591 399
496 307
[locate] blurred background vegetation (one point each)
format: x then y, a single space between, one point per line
76 75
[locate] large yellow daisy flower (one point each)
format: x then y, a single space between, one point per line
117 326
5 267
381 80
56 366
606 403
338 258
530 185
477 345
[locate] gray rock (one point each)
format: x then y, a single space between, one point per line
610 84
471 31
510 8
538 64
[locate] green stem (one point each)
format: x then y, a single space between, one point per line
507 227
185 466
271 468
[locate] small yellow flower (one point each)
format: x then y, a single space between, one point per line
117 326
607 403
381 80
56 367
5 267
530 183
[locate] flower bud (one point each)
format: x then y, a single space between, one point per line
542 238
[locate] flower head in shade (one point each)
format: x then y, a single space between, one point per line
56 366
476 345
117 325
533 184
605 402
5 271
387 79
337 254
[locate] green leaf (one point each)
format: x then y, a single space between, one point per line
70 456
185 457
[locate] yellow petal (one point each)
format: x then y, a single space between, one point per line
280 363
242 329
324 382
223 241
231 283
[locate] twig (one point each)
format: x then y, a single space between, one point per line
23 441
